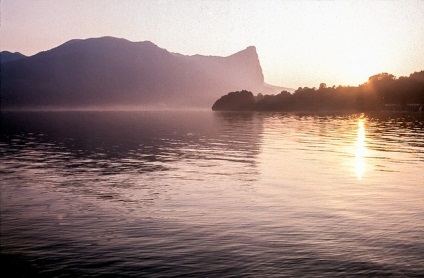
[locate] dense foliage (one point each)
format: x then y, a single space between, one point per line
380 92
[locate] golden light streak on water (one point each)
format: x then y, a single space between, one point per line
360 150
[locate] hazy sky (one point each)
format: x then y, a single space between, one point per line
299 43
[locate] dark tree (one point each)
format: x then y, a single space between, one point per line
235 101
381 91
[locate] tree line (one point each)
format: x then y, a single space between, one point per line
382 91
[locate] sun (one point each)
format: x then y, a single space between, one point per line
362 63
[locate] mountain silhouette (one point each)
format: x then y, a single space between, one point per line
7 56
112 71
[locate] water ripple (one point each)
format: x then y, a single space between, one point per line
163 194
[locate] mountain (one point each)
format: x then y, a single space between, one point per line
110 71
7 56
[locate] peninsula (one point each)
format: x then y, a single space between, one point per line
382 92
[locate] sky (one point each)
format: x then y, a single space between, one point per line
299 43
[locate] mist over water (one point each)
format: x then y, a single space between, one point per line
195 193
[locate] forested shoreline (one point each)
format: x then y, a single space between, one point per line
382 92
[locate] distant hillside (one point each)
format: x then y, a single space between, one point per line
111 71
7 56
382 92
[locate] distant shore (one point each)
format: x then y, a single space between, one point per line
382 92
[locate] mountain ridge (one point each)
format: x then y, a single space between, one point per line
115 71
7 56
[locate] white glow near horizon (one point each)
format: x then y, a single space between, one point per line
299 43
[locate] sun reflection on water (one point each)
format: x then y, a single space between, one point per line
360 150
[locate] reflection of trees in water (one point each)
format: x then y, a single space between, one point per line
402 129
241 130
377 136
237 142
405 128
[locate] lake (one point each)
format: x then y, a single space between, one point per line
198 193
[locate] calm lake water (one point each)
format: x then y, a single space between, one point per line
197 193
